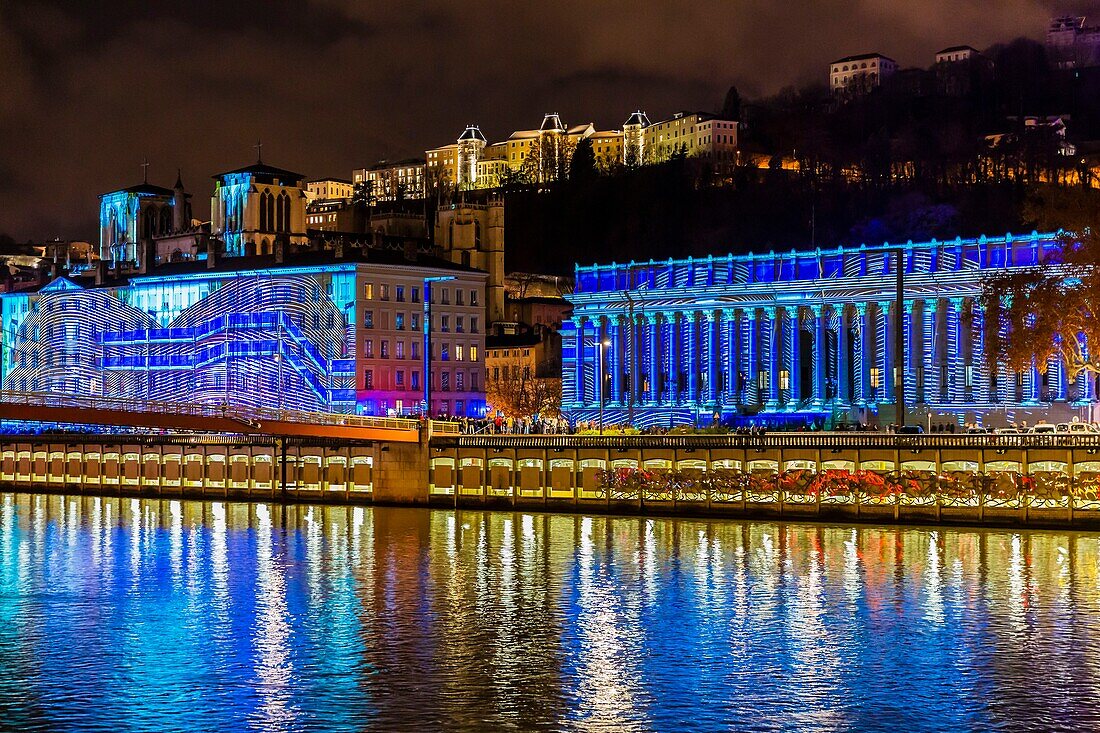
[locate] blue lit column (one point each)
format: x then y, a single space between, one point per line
863 356
912 352
654 357
600 370
616 359
675 354
940 357
732 354
792 350
981 389
713 324
930 332
843 356
773 342
637 345
884 334
693 342
578 367
820 355
1056 378
955 341
750 356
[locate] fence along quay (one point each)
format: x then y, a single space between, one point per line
1039 480
1036 480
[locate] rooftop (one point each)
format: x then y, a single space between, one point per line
262 169
863 57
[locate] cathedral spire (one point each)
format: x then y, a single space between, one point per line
144 170
259 151
179 179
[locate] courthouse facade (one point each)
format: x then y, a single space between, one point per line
803 336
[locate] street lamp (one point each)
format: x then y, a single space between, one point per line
428 340
602 345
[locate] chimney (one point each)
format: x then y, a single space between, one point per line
212 255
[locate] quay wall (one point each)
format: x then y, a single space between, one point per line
995 480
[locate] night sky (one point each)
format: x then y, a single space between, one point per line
87 89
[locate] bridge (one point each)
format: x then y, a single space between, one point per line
59 408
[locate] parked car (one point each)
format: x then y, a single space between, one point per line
978 430
1008 431
909 430
1044 428
1077 428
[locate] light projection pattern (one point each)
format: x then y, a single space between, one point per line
276 342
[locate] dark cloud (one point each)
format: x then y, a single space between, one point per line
89 89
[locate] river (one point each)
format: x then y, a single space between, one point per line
153 615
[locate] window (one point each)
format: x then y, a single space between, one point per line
473 381
459 324
473 353
385 350
473 324
458 297
445 324
415 295
460 382
368 349
415 323
368 381
384 292
445 352
445 297
415 380
368 319
399 378
445 381
399 321
400 294
368 291
876 377
496 374
526 372
458 352
400 350
415 350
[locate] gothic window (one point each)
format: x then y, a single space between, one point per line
165 220
267 211
283 222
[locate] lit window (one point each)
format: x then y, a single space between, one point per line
473 353
458 352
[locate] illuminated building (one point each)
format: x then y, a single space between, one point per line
329 189
336 330
855 75
1071 44
255 206
473 162
634 150
131 219
799 336
472 235
391 181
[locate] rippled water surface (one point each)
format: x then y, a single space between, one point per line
134 615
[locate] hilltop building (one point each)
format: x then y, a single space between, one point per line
857 75
1071 44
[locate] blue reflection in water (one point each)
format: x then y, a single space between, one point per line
129 615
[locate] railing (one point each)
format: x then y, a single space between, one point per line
824 441
246 415
444 427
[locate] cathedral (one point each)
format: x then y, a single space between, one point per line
252 208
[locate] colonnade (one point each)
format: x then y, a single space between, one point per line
800 357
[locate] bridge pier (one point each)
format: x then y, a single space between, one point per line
401 473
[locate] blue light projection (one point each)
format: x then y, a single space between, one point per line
766 307
276 339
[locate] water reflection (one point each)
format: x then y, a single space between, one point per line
188 615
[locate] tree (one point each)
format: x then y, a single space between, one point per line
731 107
1051 311
583 165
